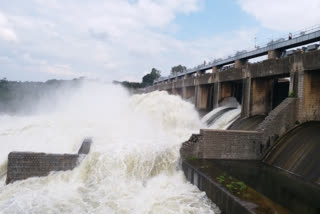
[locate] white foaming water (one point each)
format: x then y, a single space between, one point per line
132 166
223 116
209 115
226 119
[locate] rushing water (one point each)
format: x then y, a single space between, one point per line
223 116
133 163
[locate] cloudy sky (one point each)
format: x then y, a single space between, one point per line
124 39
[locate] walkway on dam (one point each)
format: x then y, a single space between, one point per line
303 38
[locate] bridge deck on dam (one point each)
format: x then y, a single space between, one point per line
303 39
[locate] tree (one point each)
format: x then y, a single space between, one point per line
149 78
178 69
155 73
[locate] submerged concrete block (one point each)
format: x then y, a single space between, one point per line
85 147
23 165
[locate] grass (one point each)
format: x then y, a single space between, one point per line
233 185
192 158
292 94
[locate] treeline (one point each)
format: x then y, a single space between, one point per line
149 78
24 97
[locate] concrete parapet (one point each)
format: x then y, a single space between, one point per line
230 144
23 165
274 54
231 74
223 144
239 63
272 67
192 147
227 202
85 147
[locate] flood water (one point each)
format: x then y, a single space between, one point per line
132 167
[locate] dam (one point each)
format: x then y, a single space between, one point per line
276 130
265 88
255 150
91 124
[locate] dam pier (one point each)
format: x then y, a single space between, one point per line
283 90
277 132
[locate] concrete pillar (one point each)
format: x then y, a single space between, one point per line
261 96
216 95
202 94
246 96
239 63
214 69
184 92
293 83
308 93
226 90
274 54
177 91
199 73
173 91
188 92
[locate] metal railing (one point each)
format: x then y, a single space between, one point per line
295 34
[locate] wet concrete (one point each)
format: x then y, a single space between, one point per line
298 152
268 189
247 124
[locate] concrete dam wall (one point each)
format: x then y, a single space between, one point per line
23 165
298 152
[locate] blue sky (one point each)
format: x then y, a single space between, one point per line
124 39
214 17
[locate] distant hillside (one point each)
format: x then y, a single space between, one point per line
24 97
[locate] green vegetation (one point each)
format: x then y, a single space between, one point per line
221 179
292 94
192 158
178 69
234 186
147 80
24 97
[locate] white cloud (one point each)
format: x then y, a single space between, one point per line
112 40
284 15
6 33
5 60
64 70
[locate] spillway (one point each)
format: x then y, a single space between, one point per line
133 165
250 123
298 152
223 116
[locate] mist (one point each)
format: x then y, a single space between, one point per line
133 166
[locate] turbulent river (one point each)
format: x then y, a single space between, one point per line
133 166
